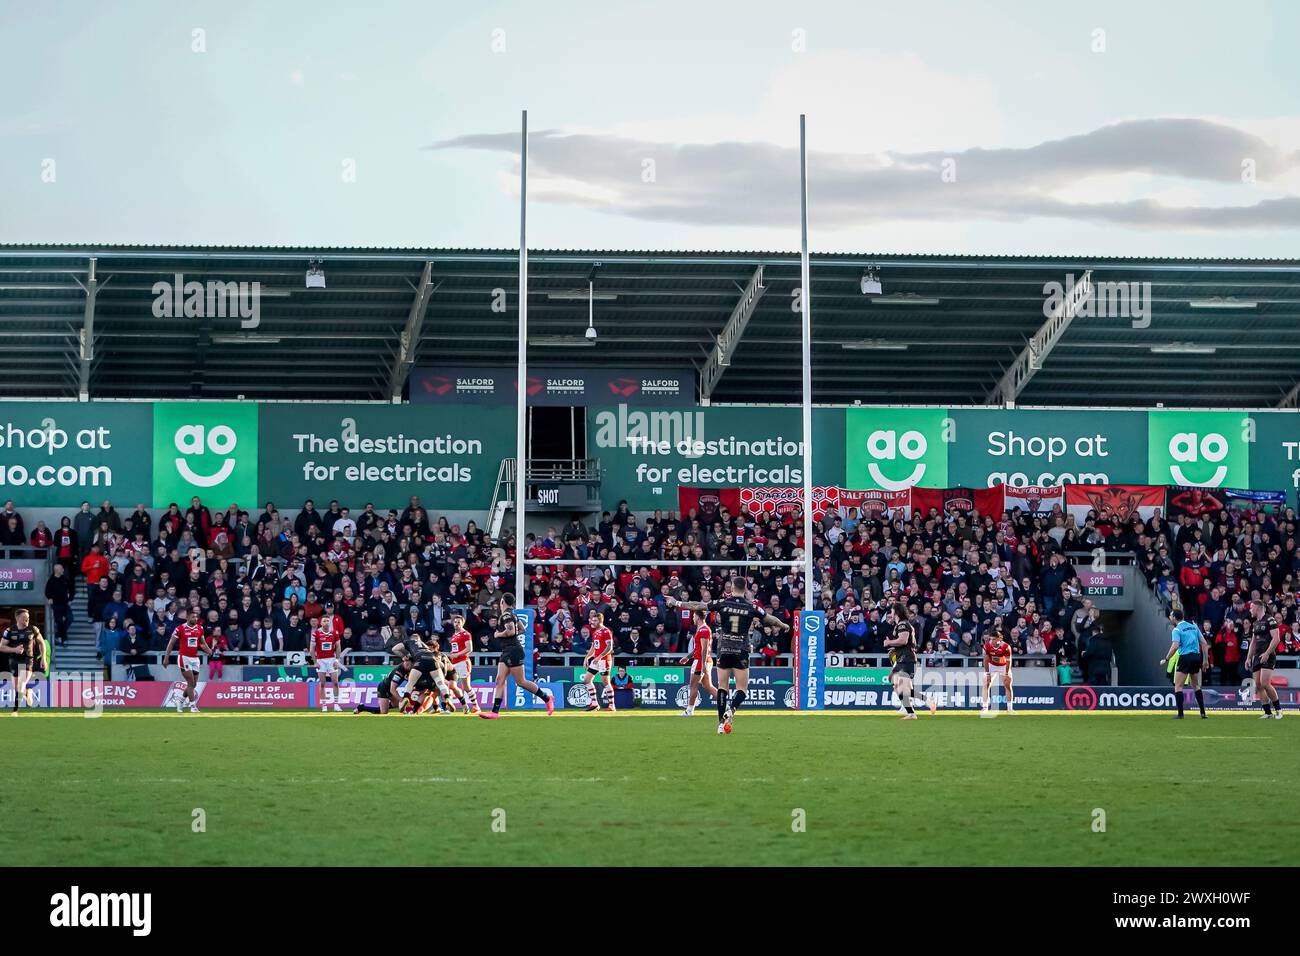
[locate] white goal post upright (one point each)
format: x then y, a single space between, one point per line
805 313
521 411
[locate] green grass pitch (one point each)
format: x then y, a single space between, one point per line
615 789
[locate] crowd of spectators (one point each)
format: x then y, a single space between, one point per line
1211 566
259 583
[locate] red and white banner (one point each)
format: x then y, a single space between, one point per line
874 502
1034 499
783 501
1116 502
987 501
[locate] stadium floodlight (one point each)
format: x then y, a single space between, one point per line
315 274
1220 302
581 295
905 298
871 282
874 345
1183 348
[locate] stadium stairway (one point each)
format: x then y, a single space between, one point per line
79 653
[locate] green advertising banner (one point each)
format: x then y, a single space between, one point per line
646 453
648 675
1202 448
57 454
207 449
859 676
1275 453
1022 447
383 453
896 448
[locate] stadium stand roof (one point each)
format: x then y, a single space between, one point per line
945 330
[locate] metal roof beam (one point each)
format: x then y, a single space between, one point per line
87 351
1040 344
1292 398
409 340
725 346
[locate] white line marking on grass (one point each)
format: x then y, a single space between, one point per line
1225 737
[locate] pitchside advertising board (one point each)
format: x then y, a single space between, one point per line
770 688
553 385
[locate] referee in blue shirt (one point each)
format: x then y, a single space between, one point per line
1193 657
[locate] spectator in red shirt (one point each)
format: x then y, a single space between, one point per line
94 566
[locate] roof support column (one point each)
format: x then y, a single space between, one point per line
725 347
409 342
1040 344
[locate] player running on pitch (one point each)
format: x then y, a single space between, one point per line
903 653
325 648
1265 637
192 641
20 649
1193 652
701 660
599 660
511 664
997 664
736 614
461 644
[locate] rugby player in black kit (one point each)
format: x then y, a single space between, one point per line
903 653
736 615
510 663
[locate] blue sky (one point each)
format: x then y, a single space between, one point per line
1056 147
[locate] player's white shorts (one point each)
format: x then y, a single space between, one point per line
329 666
190 664
599 665
1002 669
463 669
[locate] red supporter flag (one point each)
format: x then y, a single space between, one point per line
873 502
1117 502
1033 499
708 502
987 501
787 501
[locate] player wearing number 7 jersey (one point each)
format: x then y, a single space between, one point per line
735 613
